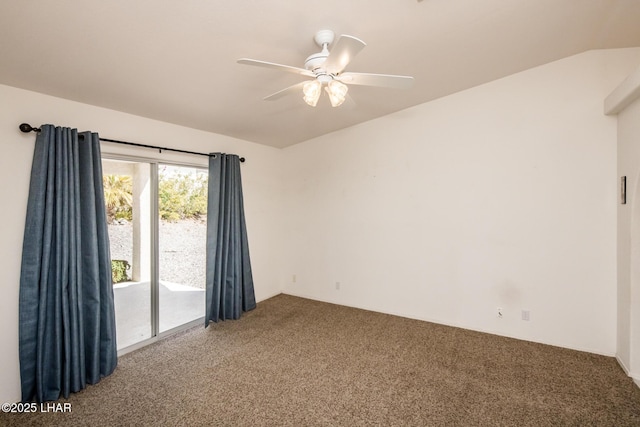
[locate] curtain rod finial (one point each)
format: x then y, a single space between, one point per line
26 128
241 159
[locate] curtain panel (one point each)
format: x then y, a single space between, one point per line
229 286
66 311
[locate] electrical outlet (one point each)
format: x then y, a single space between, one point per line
337 286
499 312
293 278
526 315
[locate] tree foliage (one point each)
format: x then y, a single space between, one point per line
180 196
118 195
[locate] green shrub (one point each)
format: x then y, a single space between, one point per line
124 214
170 216
119 269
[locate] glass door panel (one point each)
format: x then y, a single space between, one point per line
182 233
127 189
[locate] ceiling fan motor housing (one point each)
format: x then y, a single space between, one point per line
315 61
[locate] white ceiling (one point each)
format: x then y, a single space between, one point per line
175 61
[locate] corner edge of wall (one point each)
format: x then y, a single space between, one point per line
623 95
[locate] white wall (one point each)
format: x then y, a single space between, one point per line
503 195
260 173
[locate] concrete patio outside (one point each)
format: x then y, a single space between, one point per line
179 304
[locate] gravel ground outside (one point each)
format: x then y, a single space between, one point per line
182 250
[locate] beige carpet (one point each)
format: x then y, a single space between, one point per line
296 362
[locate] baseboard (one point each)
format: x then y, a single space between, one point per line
440 322
269 296
633 376
623 366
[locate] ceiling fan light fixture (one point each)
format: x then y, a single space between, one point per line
312 90
337 92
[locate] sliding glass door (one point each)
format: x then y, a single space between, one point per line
157 232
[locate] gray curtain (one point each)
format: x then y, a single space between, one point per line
67 319
229 288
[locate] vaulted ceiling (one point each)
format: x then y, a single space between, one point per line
175 61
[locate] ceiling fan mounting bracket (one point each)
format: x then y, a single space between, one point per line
324 37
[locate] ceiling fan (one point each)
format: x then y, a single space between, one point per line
326 69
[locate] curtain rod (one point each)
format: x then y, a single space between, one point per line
26 128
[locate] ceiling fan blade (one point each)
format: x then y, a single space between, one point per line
349 103
342 53
286 91
272 65
382 80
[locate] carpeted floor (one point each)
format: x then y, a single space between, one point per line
297 362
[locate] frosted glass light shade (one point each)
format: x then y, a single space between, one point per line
312 91
337 92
